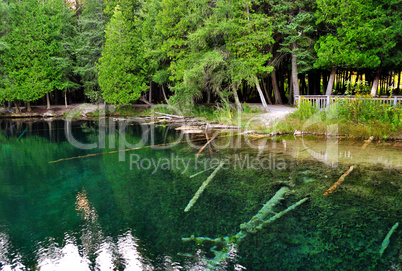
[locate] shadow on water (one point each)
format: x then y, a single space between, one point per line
125 211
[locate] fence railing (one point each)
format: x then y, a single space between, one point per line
322 101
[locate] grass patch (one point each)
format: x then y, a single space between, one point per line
360 118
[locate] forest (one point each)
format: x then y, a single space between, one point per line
186 52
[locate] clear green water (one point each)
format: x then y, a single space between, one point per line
96 213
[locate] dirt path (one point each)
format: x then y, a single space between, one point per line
275 113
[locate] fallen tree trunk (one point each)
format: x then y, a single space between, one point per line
169 115
142 99
206 144
202 188
338 183
385 243
256 223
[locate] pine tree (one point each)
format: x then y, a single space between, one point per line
248 43
293 22
63 58
36 61
121 76
28 59
88 48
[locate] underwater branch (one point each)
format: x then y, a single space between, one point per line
202 187
338 183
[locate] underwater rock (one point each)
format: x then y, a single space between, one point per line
308 180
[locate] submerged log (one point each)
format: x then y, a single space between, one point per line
385 243
209 141
198 173
257 222
280 214
338 183
202 188
367 142
265 211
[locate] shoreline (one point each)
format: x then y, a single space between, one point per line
264 120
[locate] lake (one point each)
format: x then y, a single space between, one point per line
95 195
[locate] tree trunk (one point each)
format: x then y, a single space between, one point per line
164 93
375 84
150 91
257 84
281 85
324 82
145 101
391 80
291 101
28 107
277 94
399 82
331 81
47 101
295 80
208 96
65 98
236 98
264 85
380 86
17 107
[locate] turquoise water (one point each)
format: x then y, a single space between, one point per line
125 210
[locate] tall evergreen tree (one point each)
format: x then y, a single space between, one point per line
4 30
28 60
89 43
121 74
293 22
35 62
63 57
248 43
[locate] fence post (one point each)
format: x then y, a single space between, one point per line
395 101
328 101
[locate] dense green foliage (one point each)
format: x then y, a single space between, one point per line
120 76
196 50
363 33
36 60
90 40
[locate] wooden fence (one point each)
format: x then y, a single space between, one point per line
322 101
